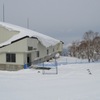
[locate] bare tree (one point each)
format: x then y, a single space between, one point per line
96 43
88 39
82 49
88 48
73 49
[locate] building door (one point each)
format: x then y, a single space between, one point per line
29 59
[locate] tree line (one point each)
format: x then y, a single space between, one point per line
88 48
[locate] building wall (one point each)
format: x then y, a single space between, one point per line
19 59
61 46
6 34
58 47
51 50
42 50
44 55
19 64
39 48
32 42
2 58
21 50
19 46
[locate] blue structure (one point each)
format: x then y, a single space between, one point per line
26 66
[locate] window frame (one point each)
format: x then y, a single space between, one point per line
11 57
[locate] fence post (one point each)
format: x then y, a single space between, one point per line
43 68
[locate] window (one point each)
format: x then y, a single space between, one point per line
38 53
30 48
47 51
10 57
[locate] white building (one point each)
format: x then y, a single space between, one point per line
20 46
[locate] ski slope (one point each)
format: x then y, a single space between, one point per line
73 82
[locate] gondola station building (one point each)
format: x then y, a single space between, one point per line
20 47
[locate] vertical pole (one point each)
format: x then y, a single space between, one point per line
56 66
3 13
43 68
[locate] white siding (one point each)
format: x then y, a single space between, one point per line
6 34
32 42
42 50
19 46
2 58
19 59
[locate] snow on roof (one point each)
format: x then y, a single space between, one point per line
23 32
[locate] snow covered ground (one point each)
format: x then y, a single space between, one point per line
73 82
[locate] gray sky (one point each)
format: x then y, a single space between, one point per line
66 20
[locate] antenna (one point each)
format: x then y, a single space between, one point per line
28 23
3 13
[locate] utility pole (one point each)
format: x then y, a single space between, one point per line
3 13
28 23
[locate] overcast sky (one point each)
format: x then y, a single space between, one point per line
66 20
